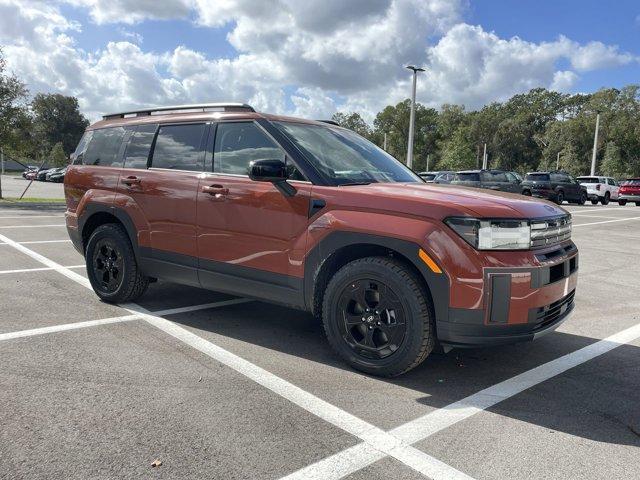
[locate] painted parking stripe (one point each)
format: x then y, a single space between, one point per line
66 327
105 321
605 221
357 457
373 436
33 242
33 226
30 216
599 209
43 269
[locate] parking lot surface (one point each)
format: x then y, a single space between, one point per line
212 386
14 185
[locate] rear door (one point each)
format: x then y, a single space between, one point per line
251 238
158 187
614 188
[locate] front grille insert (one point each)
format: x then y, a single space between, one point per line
545 315
550 231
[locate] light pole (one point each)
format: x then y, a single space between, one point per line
412 117
595 146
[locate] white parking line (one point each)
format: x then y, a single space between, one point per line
357 457
33 242
43 269
32 226
599 209
21 217
376 438
606 221
66 327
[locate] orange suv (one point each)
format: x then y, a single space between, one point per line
312 216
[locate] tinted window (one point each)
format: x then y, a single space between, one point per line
611 181
179 147
588 179
497 177
137 152
467 177
238 144
559 178
512 177
537 177
78 154
632 181
428 176
104 147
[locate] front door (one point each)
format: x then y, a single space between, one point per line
251 238
158 188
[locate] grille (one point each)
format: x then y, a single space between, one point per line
550 313
550 231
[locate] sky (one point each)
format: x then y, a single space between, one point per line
311 58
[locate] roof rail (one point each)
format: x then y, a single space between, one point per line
200 107
330 122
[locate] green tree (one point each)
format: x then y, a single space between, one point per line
13 107
57 157
352 121
57 118
458 152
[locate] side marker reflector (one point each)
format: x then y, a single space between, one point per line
429 261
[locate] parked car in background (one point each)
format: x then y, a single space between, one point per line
41 176
57 176
630 192
437 177
28 170
554 186
489 179
600 189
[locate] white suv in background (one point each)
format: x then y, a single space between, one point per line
600 189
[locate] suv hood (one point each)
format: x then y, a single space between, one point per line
441 201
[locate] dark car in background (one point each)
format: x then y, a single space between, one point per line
554 186
41 176
489 179
29 171
57 176
437 177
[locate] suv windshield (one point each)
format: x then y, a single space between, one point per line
345 157
537 177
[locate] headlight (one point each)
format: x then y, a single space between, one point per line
492 234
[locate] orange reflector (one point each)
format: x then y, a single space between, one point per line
430 263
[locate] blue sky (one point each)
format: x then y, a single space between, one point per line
316 57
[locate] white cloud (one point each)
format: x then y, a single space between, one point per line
331 54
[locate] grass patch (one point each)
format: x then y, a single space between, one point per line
60 201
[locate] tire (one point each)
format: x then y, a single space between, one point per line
111 265
583 199
594 202
622 203
526 193
560 198
607 197
392 284
637 204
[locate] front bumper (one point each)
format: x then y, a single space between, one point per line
518 304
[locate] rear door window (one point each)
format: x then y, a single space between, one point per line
104 148
179 147
497 177
467 177
537 177
137 152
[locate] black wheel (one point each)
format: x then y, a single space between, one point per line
560 198
622 203
378 317
607 197
637 204
112 267
527 193
583 199
594 202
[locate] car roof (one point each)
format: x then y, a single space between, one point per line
188 113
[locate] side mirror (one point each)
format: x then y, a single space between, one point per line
273 171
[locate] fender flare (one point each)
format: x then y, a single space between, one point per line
438 284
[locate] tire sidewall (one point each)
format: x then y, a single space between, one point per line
416 312
104 232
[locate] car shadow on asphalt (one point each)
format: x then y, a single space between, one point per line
597 400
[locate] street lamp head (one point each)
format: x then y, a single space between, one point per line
414 68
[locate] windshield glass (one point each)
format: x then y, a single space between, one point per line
345 157
428 176
467 177
538 177
632 181
588 180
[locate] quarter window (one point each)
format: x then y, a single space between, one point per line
137 153
179 147
239 143
104 147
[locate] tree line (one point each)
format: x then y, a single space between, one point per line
45 128
524 133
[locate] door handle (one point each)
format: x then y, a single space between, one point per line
216 191
131 181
